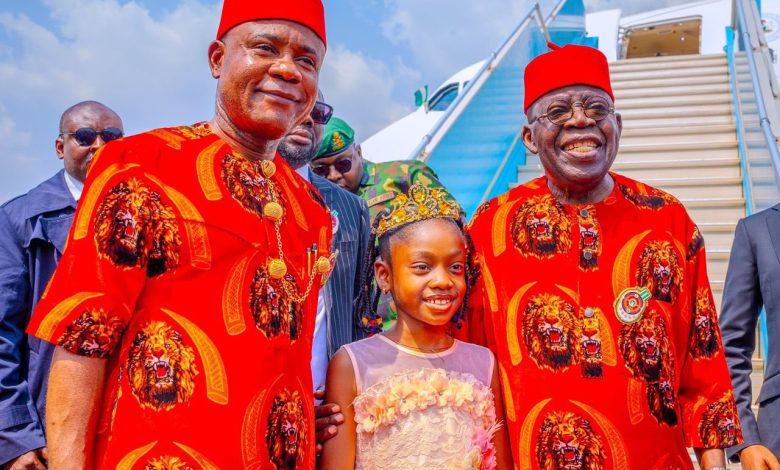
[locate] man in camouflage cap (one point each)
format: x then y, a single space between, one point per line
340 160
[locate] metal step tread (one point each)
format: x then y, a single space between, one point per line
678 146
705 181
668 59
719 162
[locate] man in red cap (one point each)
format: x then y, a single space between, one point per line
183 307
606 338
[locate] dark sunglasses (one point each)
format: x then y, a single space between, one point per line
342 166
87 136
321 113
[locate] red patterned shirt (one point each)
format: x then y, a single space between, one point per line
176 271
603 323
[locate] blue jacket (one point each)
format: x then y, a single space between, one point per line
351 239
33 231
752 282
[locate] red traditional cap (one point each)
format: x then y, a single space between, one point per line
565 66
309 13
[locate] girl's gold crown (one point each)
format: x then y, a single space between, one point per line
420 203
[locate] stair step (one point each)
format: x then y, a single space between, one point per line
672 154
668 132
690 113
681 120
671 59
618 85
616 68
644 169
666 102
656 91
674 72
659 144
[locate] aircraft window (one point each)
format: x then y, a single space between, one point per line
442 100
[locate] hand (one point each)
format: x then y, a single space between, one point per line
758 457
33 460
328 417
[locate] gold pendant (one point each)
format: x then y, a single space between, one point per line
273 210
268 167
277 268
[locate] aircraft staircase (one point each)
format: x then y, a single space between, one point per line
679 135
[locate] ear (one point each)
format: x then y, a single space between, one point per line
59 147
359 151
528 139
216 56
383 274
619 120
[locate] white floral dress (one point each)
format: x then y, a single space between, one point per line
419 411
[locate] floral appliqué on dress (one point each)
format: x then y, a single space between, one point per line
426 418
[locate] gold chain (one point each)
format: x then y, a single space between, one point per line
277 224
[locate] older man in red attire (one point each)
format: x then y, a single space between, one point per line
606 335
184 305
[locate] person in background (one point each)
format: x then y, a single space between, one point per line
341 161
33 231
752 282
338 322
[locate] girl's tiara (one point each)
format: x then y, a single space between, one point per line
420 203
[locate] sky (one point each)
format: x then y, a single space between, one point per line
146 59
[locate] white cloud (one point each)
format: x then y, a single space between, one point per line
152 70
445 36
360 89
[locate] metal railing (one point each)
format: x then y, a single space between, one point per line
429 140
759 155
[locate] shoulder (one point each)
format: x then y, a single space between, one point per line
24 206
644 196
759 218
341 363
474 350
501 205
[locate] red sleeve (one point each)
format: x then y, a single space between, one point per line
93 292
710 418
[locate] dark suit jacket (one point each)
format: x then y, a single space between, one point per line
351 239
33 231
753 281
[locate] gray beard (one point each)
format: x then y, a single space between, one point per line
296 156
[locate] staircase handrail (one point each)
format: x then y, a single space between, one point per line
435 135
759 90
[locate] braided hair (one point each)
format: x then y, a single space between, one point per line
379 247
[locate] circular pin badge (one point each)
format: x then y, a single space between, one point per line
631 304
334 219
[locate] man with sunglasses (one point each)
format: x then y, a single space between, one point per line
594 295
337 323
33 231
341 161
183 308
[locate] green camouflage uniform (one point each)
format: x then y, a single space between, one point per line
381 182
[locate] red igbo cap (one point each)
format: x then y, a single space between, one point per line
309 13
565 66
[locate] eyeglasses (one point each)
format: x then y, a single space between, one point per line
87 136
594 108
321 113
342 166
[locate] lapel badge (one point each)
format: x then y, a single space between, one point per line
334 219
631 304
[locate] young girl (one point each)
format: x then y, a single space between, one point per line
414 397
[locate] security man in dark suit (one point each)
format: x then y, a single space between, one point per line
337 322
752 282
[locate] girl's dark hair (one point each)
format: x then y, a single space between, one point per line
368 299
